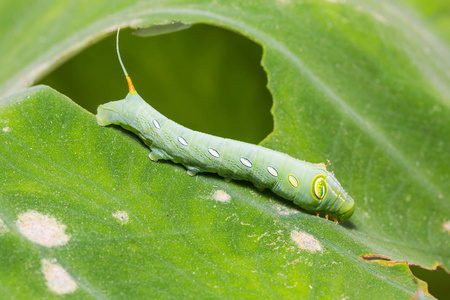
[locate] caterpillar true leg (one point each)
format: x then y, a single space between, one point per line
192 171
157 154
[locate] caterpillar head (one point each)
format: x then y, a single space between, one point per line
325 188
110 113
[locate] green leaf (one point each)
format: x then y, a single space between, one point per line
84 211
129 220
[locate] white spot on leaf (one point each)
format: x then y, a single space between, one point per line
57 278
5 129
446 226
121 216
283 2
305 241
379 17
285 211
3 228
221 196
42 229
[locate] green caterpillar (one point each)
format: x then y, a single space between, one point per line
308 185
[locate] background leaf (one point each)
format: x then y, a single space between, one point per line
354 83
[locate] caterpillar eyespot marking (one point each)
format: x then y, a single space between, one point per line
319 187
156 124
182 141
293 180
246 162
313 187
214 152
272 171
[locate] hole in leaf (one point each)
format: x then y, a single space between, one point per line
205 78
375 257
438 280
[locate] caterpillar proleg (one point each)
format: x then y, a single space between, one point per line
308 185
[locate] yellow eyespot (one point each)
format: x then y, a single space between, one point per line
293 180
319 187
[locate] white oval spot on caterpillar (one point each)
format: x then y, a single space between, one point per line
42 229
214 152
221 196
293 180
3 228
446 226
182 141
156 124
121 216
57 278
246 162
272 171
5 129
305 241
